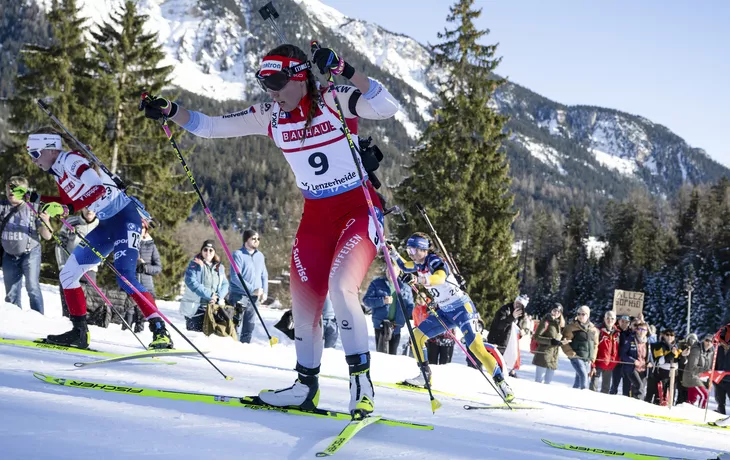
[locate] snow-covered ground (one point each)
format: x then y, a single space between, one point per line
38 420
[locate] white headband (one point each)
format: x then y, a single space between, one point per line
44 141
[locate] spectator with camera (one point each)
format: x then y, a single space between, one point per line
684 349
22 231
699 361
206 286
252 264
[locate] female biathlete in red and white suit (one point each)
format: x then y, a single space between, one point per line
335 242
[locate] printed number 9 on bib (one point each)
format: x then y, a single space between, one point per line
318 161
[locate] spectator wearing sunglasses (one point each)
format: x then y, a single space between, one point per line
205 285
581 345
21 246
333 247
252 264
700 361
664 353
636 361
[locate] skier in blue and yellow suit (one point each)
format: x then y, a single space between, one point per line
453 307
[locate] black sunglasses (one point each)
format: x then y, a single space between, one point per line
277 81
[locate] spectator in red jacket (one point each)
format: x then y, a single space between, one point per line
607 356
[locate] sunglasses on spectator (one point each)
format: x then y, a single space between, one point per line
708 340
208 250
582 314
642 329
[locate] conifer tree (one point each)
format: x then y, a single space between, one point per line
460 172
134 147
574 233
60 74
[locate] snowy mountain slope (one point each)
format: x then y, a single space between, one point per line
560 156
44 421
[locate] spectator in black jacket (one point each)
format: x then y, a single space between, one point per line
664 353
637 353
149 264
501 327
624 343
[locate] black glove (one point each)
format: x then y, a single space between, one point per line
327 60
140 267
555 342
157 107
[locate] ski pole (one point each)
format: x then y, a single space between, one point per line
272 340
86 275
468 355
435 404
114 177
139 294
442 248
268 12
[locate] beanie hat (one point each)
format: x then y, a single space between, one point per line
207 244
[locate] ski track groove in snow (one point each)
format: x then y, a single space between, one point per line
45 421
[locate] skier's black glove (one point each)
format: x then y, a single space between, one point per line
555 342
327 60
157 107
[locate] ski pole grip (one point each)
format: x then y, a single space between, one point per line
420 208
42 105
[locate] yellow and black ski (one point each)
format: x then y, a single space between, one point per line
347 433
248 402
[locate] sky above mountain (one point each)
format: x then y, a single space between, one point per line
666 61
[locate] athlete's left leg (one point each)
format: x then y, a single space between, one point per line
126 233
354 252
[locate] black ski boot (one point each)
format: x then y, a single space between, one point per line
160 336
78 337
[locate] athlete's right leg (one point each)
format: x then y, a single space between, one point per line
310 263
80 261
429 328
